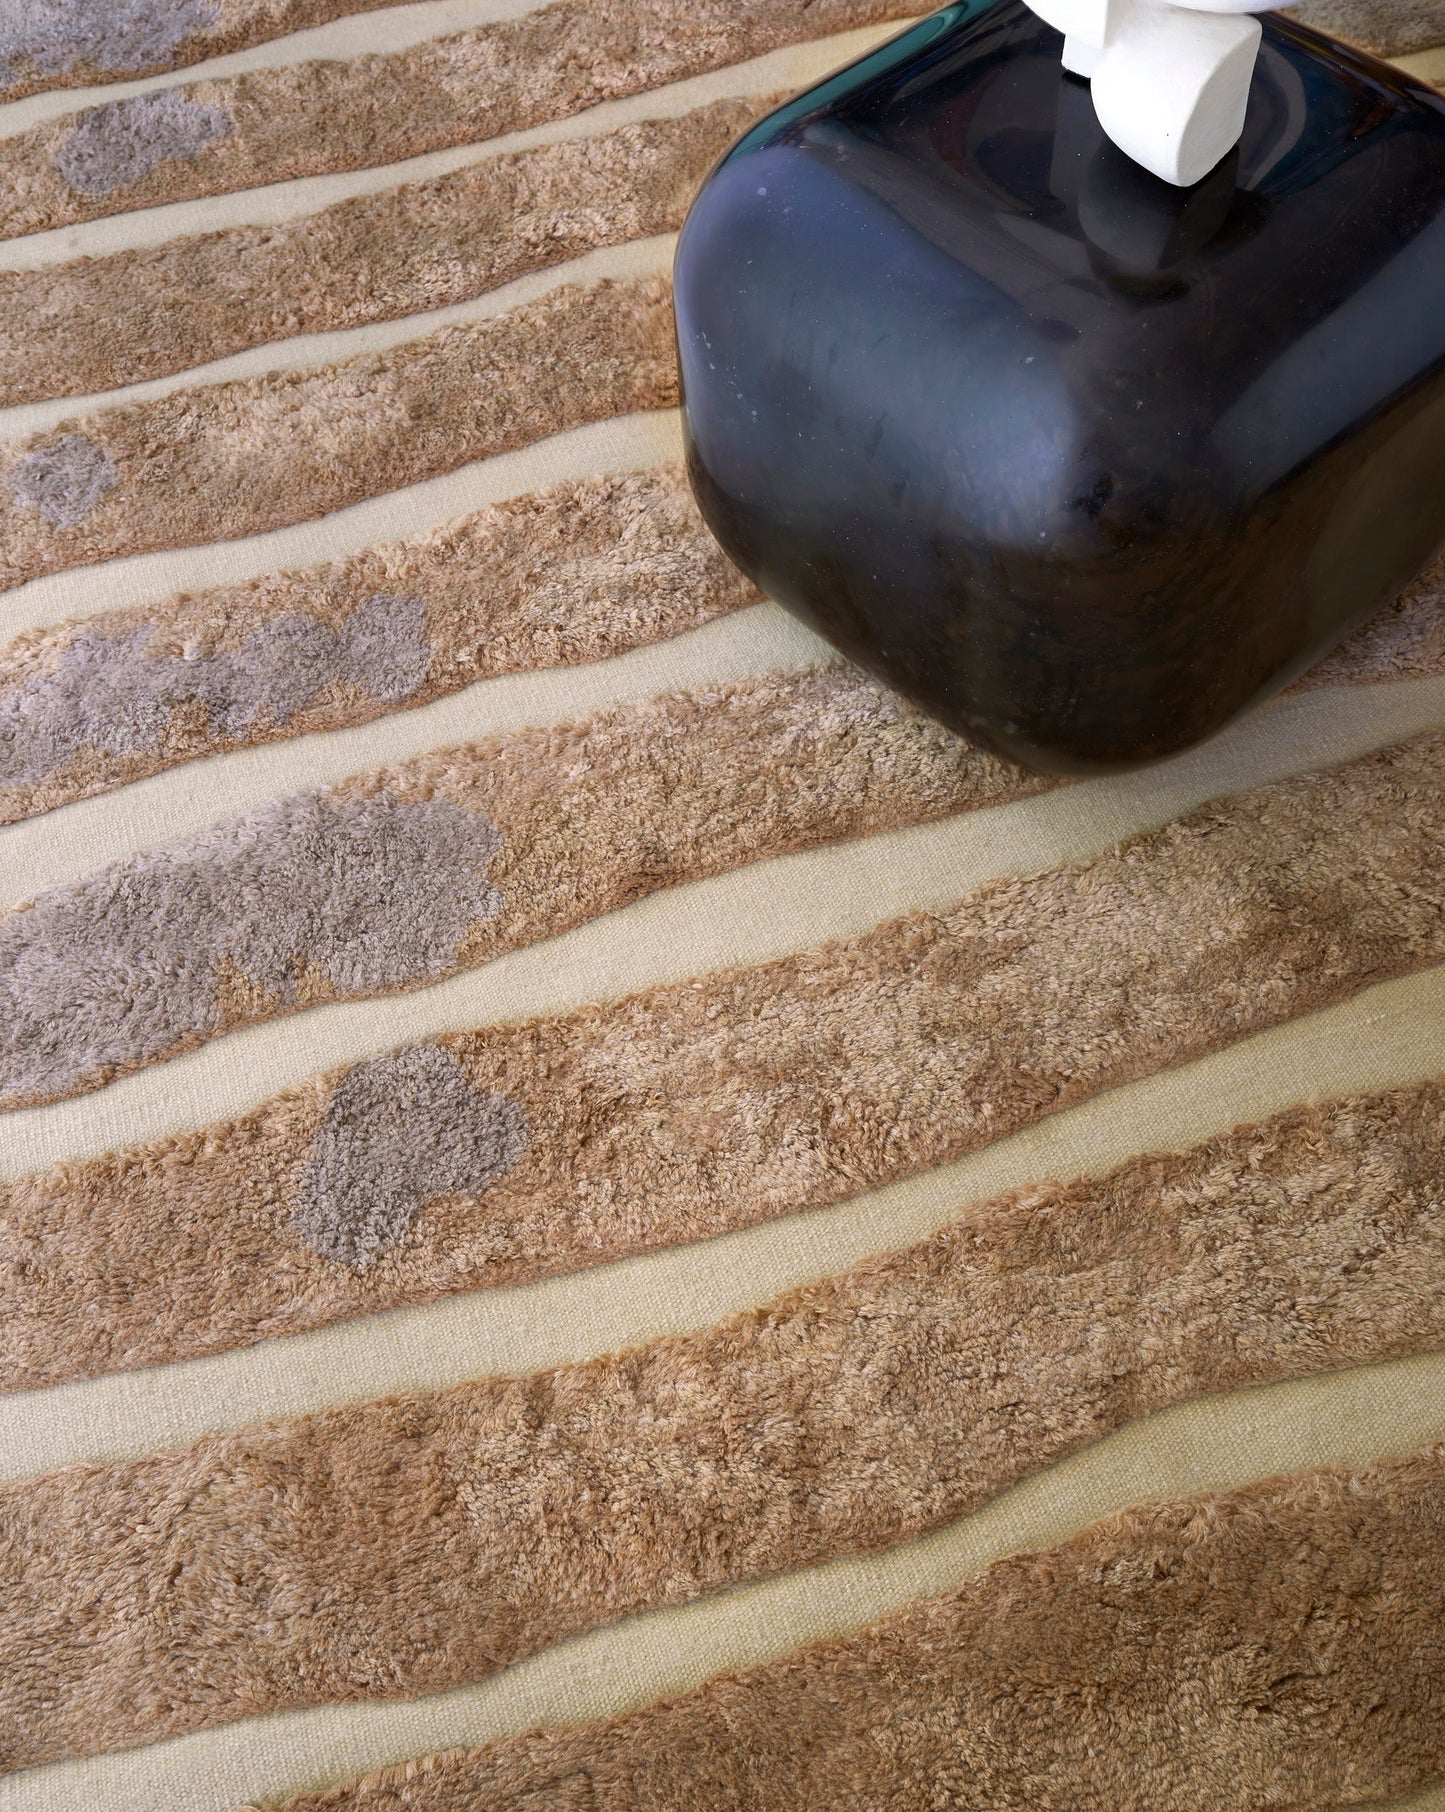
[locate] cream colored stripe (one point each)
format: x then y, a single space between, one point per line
622 444
312 351
1429 66
1388 1037
62 845
765 910
1432 1800
357 34
795 66
1347 1419
69 842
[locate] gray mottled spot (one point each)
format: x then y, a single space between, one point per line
399 1130
55 35
108 695
386 648
121 966
117 144
65 480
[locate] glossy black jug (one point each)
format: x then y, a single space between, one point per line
1083 463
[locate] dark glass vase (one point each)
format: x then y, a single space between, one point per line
1083 463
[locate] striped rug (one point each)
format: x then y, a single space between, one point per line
594 1214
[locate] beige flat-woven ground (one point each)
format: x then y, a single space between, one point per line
594 1214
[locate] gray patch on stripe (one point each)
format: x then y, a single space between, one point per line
121 966
65 480
55 35
106 694
399 1130
117 144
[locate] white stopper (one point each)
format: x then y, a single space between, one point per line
1171 78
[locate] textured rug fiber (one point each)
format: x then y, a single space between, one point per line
594 1213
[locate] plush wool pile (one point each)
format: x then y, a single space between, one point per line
595 1214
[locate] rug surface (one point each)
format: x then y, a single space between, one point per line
595 1214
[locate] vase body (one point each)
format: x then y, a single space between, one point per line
1082 463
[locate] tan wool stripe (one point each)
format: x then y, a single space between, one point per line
621 443
93 41
578 573
1389 27
272 125
311 354
386 26
1388 1037
430 1539
226 460
518 1152
43 852
1336 1419
397 878
786 70
422 246
1281 1646
747 916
